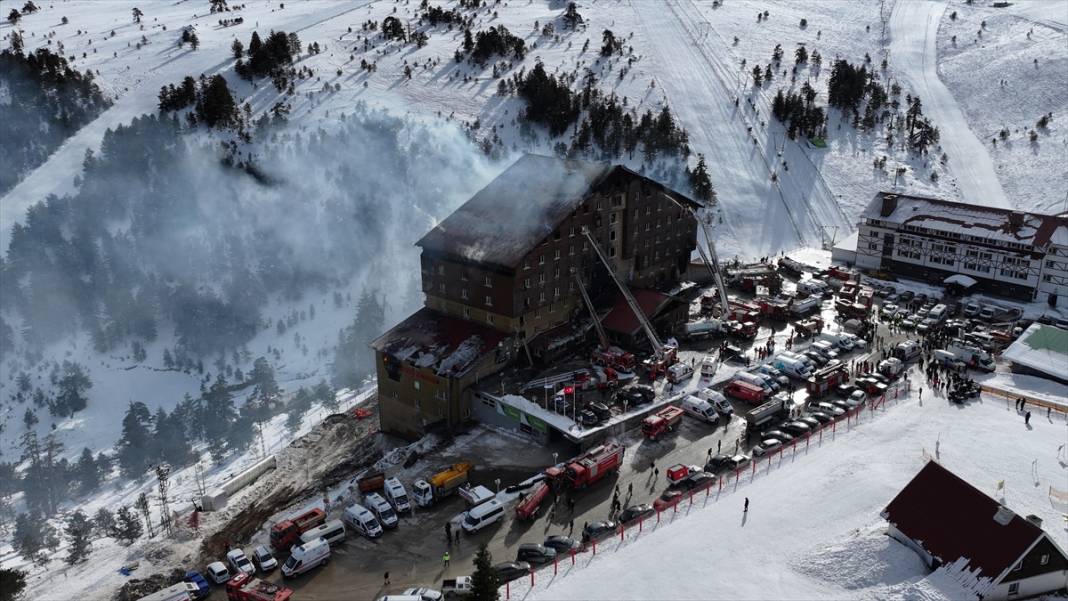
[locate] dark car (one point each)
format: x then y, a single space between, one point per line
562 544
695 482
844 390
811 422
636 511
821 417
588 418
598 529
602 410
816 357
779 435
511 570
717 463
906 295
796 428
535 554
635 396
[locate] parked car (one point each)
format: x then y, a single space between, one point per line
239 562
906 296
821 416
737 461
264 560
562 544
635 396
695 482
635 511
602 410
778 435
717 463
816 357
511 570
809 421
588 418
768 445
845 390
796 428
218 573
422 593
597 529
856 398
535 554
203 589
667 500
844 406
826 407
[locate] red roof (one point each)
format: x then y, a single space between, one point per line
952 519
623 321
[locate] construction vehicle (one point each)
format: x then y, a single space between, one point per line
440 485
706 328
243 587
664 355
528 507
606 355
825 380
661 422
796 268
287 533
774 308
588 468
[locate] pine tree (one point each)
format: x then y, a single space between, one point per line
33 535
238 49
700 181
87 472
194 41
137 14
73 385
758 76
134 446
146 511
12 581
218 413
485 583
104 522
128 527
78 531
29 418
216 106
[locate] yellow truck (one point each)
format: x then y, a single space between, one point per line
442 484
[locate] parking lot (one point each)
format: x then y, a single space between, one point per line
413 553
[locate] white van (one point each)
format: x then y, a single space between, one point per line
482 515
678 373
332 532
795 368
828 348
183 591
382 510
360 519
755 380
989 312
908 350
843 342
718 401
947 358
708 366
397 496
938 313
305 557
700 408
813 287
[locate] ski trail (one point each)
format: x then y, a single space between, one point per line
758 216
913 54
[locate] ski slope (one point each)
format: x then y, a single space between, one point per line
813 529
913 31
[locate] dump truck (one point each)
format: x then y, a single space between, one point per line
372 482
595 464
287 533
244 587
440 485
661 422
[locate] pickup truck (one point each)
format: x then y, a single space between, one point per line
460 586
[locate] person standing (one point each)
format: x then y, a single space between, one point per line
386 578
1027 418
448 532
445 559
746 508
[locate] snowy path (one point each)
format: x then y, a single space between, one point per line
913 53
759 220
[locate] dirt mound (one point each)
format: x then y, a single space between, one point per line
140 587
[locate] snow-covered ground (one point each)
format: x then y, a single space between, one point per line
813 529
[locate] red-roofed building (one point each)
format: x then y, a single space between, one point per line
666 312
949 522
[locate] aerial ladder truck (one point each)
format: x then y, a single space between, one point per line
606 355
664 355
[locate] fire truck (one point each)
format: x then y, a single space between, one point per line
589 467
243 587
660 422
286 533
528 508
826 380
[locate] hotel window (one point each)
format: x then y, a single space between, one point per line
541 259
978 261
467 313
1044 560
441 270
943 254
441 286
541 278
556 254
1014 588
487 282
463 293
571 250
1014 267
416 384
526 283
612 235
556 291
463 276
489 302
572 232
526 264
556 273
541 297
612 218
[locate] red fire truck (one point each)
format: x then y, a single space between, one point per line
593 465
660 422
750 393
528 507
826 380
243 587
286 533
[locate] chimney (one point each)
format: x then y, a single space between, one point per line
1034 519
1016 220
889 205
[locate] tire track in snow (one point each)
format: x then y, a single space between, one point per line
702 101
913 35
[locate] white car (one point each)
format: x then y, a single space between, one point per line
856 398
827 408
262 557
767 446
239 562
423 594
218 573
